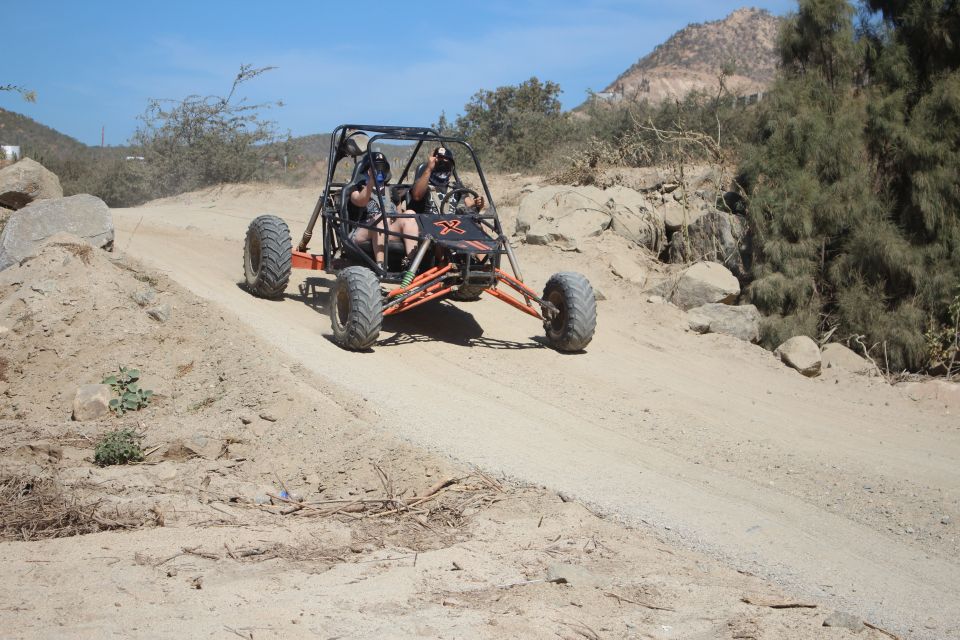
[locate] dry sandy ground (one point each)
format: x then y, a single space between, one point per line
737 476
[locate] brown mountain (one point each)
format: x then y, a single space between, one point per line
693 57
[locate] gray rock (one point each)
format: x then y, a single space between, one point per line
835 355
160 313
675 216
801 353
842 620
91 401
145 297
24 182
741 321
700 284
714 236
84 216
945 520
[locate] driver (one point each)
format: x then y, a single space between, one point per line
378 173
433 177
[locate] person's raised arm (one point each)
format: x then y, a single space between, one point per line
361 197
419 190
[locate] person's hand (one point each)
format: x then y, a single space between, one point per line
479 203
431 163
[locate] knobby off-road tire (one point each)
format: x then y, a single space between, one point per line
267 253
573 327
467 293
356 308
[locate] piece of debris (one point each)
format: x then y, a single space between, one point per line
776 602
844 620
160 313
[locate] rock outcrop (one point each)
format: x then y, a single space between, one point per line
84 216
714 236
27 181
837 356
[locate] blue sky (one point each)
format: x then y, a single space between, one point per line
96 63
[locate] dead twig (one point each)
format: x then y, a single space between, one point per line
621 598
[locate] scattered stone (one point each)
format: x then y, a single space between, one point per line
945 520
840 619
801 353
91 401
700 284
26 181
741 321
3 329
836 355
83 216
160 313
269 417
909 530
655 299
245 419
145 297
561 573
196 447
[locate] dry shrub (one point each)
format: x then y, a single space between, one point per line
36 508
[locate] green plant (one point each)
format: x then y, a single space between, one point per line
943 343
127 386
118 447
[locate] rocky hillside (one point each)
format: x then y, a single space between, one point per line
692 58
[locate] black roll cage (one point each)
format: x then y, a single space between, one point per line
336 225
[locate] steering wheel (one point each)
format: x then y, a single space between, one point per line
455 194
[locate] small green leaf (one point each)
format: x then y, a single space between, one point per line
134 374
130 403
110 380
133 386
114 403
148 393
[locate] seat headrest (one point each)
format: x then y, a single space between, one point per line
354 144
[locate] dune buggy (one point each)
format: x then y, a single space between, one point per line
459 251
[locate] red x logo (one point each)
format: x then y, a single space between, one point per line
448 226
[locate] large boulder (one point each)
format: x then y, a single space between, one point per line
801 353
84 216
837 356
714 236
700 284
562 216
26 181
633 218
742 321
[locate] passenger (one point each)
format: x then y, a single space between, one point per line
435 174
379 174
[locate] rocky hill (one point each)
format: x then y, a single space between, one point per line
692 59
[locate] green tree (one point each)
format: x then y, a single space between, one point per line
204 140
512 127
852 177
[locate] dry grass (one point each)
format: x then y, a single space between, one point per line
4 367
184 369
34 508
82 251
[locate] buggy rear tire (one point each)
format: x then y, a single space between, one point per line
356 308
573 327
467 293
267 255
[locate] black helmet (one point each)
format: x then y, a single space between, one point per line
381 167
440 175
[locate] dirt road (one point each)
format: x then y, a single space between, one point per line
839 488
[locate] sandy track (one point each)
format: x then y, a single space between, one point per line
815 483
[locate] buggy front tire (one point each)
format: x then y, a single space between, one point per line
267 255
356 308
572 328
